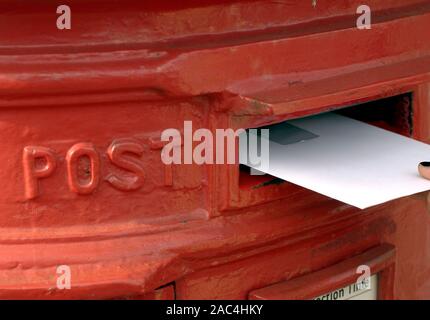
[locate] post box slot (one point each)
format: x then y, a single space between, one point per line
246 180
393 114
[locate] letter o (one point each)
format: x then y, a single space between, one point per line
72 158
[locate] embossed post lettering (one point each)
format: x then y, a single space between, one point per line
33 172
83 164
73 156
117 153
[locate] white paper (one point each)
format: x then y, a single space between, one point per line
348 160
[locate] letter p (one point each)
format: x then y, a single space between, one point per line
35 170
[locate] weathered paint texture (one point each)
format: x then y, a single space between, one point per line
82 111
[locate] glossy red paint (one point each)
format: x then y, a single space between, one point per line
82 111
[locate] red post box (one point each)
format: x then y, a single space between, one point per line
82 111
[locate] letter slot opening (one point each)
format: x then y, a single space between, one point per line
392 113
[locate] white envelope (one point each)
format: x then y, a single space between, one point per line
346 159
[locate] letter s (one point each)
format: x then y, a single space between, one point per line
116 153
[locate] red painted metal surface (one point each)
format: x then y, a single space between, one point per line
94 100
379 259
